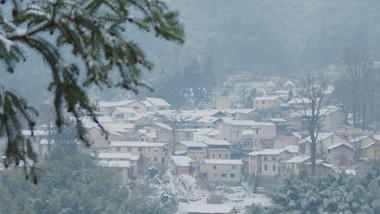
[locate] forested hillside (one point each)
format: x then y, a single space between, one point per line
277 37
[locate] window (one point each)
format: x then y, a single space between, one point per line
274 168
220 155
224 175
92 142
265 157
273 157
263 102
101 133
136 107
214 167
233 167
162 160
155 158
119 116
118 149
213 155
257 131
257 102
226 155
188 135
180 135
129 149
265 167
232 175
140 149
109 142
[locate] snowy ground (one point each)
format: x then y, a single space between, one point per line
186 190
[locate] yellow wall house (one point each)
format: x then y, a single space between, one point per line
156 153
266 102
293 165
222 170
371 151
196 150
98 137
268 162
181 164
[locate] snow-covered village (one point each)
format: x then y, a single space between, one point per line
189 107
220 159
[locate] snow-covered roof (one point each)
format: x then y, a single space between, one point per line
358 139
180 152
193 144
136 144
321 137
298 159
148 132
369 145
114 155
201 138
292 148
277 120
105 119
114 104
147 103
245 122
223 161
217 142
214 132
240 111
202 131
181 160
117 164
267 152
157 101
208 120
164 126
125 110
340 144
266 98
203 208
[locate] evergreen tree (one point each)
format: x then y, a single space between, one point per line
94 32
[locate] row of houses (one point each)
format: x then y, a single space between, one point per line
224 145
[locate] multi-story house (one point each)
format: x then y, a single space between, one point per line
156 153
195 150
266 102
268 162
218 149
341 154
324 140
262 134
222 170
